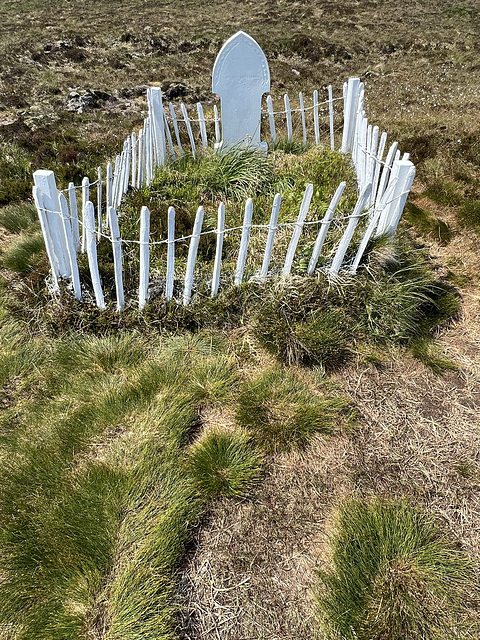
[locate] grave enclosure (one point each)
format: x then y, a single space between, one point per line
241 78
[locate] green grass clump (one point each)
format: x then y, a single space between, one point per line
469 214
223 464
281 412
427 224
17 217
394 574
22 253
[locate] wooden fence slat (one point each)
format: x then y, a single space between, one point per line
175 128
134 159
99 203
242 253
156 117
201 122
387 167
315 118
72 197
218 137
170 254
297 230
350 230
378 165
372 159
144 257
271 119
42 216
288 116
302 114
349 113
91 246
128 155
189 129
72 254
325 226
117 257
109 187
147 133
169 137
330 117
402 178
85 199
219 248
120 179
116 171
141 160
192 255
272 229
379 206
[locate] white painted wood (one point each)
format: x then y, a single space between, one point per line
201 124
156 116
120 179
116 172
72 254
216 118
316 127
192 255
91 246
170 254
288 116
189 129
99 203
141 160
45 181
242 253
147 132
378 165
302 115
72 197
117 257
37 198
406 156
219 248
372 159
128 156
271 119
297 230
362 158
123 172
175 128
396 214
330 117
325 226
350 230
272 229
109 187
240 77
169 138
144 257
349 113
402 175
387 167
85 199
379 206
133 143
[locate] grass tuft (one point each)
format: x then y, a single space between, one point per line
18 216
394 574
223 464
22 253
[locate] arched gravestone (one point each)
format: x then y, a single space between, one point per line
240 77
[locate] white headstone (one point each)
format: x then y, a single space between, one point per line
240 77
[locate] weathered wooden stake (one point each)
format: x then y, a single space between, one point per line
72 254
170 254
242 253
272 229
144 256
325 226
91 246
219 248
192 255
117 257
271 119
297 230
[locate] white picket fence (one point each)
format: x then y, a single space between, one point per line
384 181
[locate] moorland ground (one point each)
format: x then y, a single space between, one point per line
83 420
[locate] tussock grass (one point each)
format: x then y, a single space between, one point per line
17 217
223 464
22 253
281 412
393 574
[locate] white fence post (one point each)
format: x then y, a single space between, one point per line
170 254
315 118
288 116
350 230
99 203
242 253
330 117
117 257
155 107
109 188
349 113
42 216
271 119
272 229
175 128
91 246
144 256
218 252
72 254
302 113
218 136
325 226
169 137
403 174
297 230
141 160
192 255
387 167
189 129
85 199
201 124
74 215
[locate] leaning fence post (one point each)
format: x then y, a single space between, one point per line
169 137
387 167
175 128
170 254
144 256
74 214
133 138
37 198
325 226
201 124
272 229
242 253
297 230
189 129
218 137
99 203
218 252
192 255
117 257
403 173
349 113
91 246
288 115
72 254
271 119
